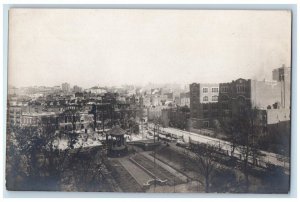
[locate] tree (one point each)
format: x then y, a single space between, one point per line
40 161
91 169
204 156
242 131
186 154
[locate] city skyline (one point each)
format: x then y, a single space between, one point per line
48 48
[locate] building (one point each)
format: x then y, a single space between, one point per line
147 101
97 90
77 89
14 115
176 117
234 97
203 104
56 89
116 142
283 76
155 112
12 90
65 87
271 99
39 119
185 99
265 93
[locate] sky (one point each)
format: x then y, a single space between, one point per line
89 47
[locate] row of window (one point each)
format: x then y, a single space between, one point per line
213 98
214 90
239 89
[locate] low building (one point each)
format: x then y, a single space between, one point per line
97 90
39 119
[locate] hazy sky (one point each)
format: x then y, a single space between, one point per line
113 47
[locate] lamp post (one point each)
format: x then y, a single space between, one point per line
156 128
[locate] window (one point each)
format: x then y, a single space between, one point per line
214 106
214 98
224 89
205 90
205 124
240 89
205 98
205 107
215 90
225 105
242 109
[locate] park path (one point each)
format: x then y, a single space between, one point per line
137 173
165 166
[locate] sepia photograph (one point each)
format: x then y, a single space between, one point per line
149 101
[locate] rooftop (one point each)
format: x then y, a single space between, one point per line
40 114
116 131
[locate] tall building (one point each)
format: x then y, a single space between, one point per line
65 87
203 104
271 99
234 97
283 75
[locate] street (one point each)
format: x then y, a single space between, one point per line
262 160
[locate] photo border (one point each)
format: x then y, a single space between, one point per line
293 157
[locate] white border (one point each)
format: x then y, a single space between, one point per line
224 4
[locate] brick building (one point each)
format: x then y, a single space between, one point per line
203 104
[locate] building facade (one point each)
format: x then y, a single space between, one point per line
65 87
203 104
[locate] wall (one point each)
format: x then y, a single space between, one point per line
277 115
209 94
264 93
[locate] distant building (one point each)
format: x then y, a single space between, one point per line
169 96
185 99
65 87
77 89
147 101
97 90
14 115
36 119
13 90
56 89
155 112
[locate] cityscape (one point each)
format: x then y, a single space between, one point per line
149 101
202 137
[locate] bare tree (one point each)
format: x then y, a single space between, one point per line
242 131
204 156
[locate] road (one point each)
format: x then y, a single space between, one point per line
267 157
